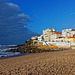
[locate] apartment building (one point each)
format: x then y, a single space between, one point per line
47 34
73 33
57 37
68 33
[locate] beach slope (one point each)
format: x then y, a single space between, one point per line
49 63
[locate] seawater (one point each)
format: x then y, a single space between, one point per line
4 48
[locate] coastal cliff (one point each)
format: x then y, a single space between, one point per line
30 47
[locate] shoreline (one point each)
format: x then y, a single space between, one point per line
21 54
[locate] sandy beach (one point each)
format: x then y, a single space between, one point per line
49 63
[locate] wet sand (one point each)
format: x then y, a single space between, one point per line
49 63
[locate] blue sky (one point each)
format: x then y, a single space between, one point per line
21 19
58 14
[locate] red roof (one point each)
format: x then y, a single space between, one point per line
32 36
57 33
71 37
37 35
73 30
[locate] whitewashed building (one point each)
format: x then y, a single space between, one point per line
47 34
33 38
73 33
57 37
40 38
68 32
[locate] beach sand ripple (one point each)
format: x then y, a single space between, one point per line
49 63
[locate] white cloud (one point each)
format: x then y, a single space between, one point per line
22 15
12 5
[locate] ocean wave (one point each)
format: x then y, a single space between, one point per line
4 54
7 45
4 48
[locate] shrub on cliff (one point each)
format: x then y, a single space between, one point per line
29 42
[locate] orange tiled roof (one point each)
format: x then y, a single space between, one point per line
57 33
71 37
37 35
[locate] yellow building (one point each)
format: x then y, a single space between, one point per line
69 39
47 34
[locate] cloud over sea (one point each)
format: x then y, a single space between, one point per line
13 23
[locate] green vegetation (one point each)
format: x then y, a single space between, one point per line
29 42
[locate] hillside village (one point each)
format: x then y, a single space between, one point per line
51 36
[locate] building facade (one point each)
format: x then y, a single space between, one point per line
69 39
68 33
57 37
47 34
40 38
73 33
